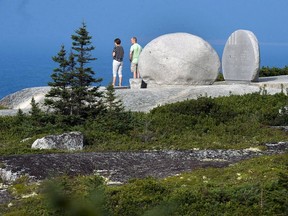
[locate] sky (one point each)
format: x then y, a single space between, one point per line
41 26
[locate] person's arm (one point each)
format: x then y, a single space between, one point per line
114 52
131 56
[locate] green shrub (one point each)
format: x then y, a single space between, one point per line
274 71
225 122
255 186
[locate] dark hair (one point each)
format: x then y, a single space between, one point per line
135 39
117 41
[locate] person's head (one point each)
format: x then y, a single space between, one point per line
117 41
133 40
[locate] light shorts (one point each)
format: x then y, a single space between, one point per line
134 67
117 68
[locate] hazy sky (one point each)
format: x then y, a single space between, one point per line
43 25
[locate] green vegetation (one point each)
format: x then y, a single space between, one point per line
264 72
274 71
72 94
257 186
224 122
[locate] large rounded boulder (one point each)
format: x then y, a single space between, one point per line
179 59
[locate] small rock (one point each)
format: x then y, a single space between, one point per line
67 141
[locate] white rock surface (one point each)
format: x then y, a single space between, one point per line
22 99
144 100
178 59
67 141
241 57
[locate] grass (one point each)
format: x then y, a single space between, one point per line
233 122
2 107
255 186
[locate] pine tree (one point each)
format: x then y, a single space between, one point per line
115 118
71 91
59 96
20 116
112 104
87 99
35 110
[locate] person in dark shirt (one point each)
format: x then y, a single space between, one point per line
118 54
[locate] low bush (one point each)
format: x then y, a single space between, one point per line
255 186
225 122
273 71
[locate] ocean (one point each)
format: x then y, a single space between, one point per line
26 70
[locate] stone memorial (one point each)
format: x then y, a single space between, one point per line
178 59
241 57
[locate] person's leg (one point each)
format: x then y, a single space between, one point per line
114 81
120 80
120 73
115 68
137 72
133 70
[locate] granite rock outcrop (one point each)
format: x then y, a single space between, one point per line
178 59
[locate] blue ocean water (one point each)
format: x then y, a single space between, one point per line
25 70
33 68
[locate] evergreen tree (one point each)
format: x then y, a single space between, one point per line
59 96
36 113
72 93
20 117
35 110
112 104
114 117
86 99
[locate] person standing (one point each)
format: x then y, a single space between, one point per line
135 51
117 54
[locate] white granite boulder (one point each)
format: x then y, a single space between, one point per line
178 59
67 141
241 57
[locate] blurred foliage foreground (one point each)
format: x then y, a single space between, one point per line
257 186
254 187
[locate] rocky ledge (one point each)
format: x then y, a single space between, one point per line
145 99
119 167
122 166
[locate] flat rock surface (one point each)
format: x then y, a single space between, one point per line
119 167
122 166
143 100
